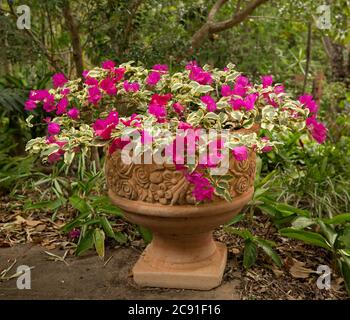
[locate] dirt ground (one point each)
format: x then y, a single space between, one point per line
89 277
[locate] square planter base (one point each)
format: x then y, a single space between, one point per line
205 275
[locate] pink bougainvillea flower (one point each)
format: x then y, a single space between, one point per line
94 95
133 120
53 128
202 188
317 129
59 80
131 86
178 108
184 125
162 68
226 90
198 74
240 153
108 86
161 99
118 74
65 91
108 64
249 101
209 102
157 110
266 148
279 89
266 81
153 78
85 73
90 81
38 95
117 143
30 105
239 90
309 102
242 81
103 127
62 106
113 118
49 103
237 104
56 156
73 234
73 113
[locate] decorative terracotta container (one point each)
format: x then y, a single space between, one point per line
182 253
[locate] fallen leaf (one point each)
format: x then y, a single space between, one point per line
235 250
277 272
40 228
297 270
33 223
20 220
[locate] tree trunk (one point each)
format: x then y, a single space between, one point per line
336 57
74 35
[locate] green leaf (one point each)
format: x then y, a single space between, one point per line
120 237
306 236
268 209
85 243
250 253
203 89
79 204
267 247
50 205
107 227
345 238
146 234
244 233
338 219
235 219
302 222
329 232
345 271
99 241
288 210
223 193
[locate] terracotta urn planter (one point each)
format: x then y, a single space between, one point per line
182 253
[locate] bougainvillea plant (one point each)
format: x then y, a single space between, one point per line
114 106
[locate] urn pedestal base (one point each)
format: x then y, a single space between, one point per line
205 274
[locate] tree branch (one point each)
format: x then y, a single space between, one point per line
211 27
214 10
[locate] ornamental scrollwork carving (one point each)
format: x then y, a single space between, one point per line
164 184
